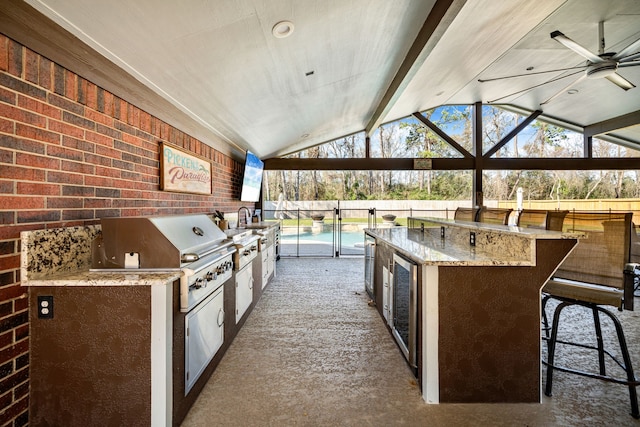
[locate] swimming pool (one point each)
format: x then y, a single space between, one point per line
349 238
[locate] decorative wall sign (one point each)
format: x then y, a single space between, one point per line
183 172
422 163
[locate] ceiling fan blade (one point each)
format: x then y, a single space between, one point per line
582 51
630 63
620 81
564 89
632 50
629 58
533 87
582 67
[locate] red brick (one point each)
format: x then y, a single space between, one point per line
19 115
108 152
37 133
4 53
108 172
39 189
15 58
109 101
13 232
45 79
70 85
97 160
64 153
98 181
38 216
5 340
77 191
92 96
78 144
98 117
78 214
13 411
77 167
39 107
82 91
8 263
65 104
30 66
8 96
21 173
64 202
34 161
22 202
97 203
66 129
99 139
64 177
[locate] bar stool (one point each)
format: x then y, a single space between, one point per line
595 275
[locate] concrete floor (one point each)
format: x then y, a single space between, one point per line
313 353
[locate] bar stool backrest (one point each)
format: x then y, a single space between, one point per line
494 215
542 219
602 256
466 214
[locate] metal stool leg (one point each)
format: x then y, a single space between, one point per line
545 319
551 347
599 341
628 367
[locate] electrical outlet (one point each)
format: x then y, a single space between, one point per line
442 232
45 307
472 238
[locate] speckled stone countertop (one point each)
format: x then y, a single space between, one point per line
496 245
62 257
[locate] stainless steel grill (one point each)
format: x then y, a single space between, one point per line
192 244
246 244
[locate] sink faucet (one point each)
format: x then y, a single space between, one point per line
247 215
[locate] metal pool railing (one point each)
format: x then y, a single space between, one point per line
336 232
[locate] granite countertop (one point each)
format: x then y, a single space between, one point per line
496 245
531 233
107 278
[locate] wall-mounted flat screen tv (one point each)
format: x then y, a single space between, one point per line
252 179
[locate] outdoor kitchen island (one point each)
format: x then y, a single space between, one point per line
135 345
462 300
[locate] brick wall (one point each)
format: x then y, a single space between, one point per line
70 153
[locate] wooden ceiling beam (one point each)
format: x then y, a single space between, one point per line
625 163
441 16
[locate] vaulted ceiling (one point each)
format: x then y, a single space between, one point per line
216 69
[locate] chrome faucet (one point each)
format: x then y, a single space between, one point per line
246 216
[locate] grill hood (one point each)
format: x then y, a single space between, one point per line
155 242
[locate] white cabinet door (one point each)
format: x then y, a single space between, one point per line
204 335
244 290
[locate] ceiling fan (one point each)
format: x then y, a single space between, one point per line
602 65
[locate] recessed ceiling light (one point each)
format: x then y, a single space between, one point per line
572 91
305 135
282 29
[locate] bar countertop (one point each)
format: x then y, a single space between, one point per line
495 245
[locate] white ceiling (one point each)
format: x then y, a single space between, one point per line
218 63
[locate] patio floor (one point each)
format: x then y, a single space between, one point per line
314 353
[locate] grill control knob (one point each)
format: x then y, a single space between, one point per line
211 275
198 283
